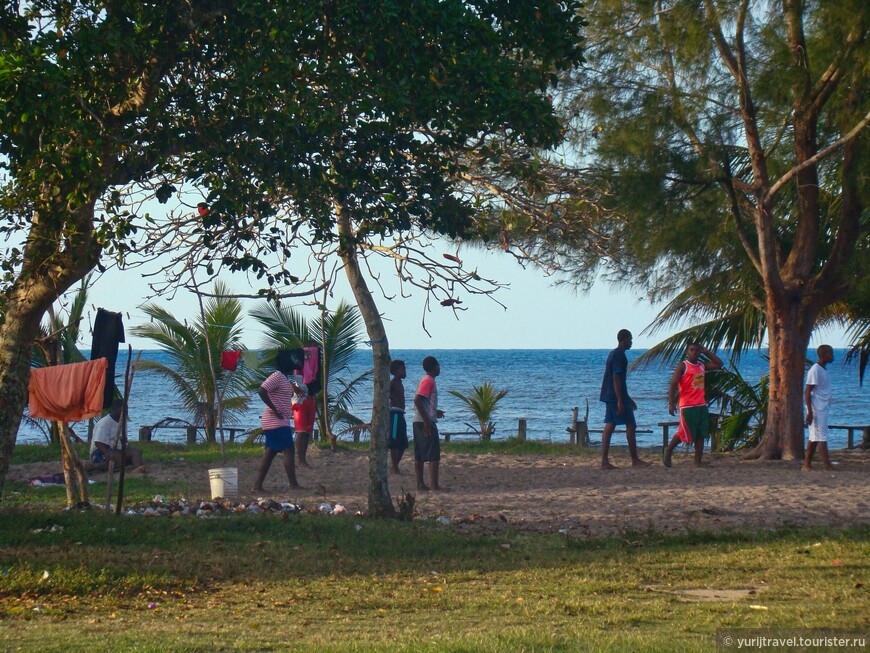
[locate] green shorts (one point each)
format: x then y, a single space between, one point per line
695 420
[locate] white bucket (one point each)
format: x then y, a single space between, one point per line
224 482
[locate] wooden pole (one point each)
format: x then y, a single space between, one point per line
574 425
74 477
121 434
521 430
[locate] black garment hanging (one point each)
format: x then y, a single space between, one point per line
316 384
108 333
290 359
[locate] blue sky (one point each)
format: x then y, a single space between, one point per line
539 315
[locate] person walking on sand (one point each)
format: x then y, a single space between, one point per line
619 406
427 448
688 382
398 441
304 414
817 397
277 393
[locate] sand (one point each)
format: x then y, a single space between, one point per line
552 493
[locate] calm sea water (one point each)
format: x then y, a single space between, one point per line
543 386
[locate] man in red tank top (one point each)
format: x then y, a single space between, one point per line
688 382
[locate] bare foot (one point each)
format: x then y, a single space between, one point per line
422 487
666 458
607 465
304 463
806 468
640 463
139 470
259 490
395 470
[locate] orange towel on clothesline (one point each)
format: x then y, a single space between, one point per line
69 393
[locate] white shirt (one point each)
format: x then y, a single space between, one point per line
820 396
104 431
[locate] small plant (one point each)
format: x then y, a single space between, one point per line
482 402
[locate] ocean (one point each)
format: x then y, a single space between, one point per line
543 386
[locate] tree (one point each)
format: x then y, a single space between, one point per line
211 394
89 103
482 401
358 147
338 332
301 123
730 137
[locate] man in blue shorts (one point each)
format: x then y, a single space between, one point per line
619 406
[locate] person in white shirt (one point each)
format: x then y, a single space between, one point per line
103 443
817 396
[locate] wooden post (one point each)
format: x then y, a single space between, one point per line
583 434
865 438
665 429
144 434
521 429
574 412
191 435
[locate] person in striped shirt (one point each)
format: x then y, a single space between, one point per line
277 393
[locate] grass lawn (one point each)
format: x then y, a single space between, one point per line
86 581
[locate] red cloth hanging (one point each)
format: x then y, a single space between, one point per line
230 359
68 393
311 368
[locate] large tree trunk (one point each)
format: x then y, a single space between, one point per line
52 264
380 503
789 329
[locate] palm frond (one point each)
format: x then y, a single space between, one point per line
285 327
482 402
194 351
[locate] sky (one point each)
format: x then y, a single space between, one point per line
538 314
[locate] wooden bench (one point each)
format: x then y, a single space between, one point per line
147 432
850 436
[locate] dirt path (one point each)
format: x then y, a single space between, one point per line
552 493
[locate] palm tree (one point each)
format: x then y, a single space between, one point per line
727 311
67 327
744 406
338 332
482 402
196 375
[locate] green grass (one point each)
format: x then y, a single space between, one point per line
84 581
156 451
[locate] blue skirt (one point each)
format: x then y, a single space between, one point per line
279 439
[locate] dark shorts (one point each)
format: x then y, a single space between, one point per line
696 422
398 431
279 439
426 449
98 457
610 416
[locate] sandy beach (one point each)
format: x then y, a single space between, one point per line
551 493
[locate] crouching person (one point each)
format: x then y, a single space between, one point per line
104 445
